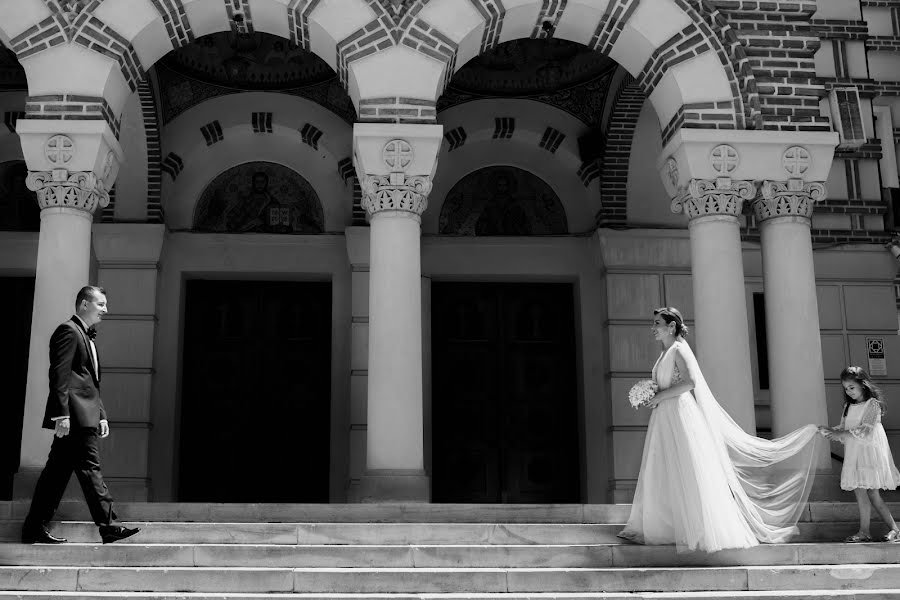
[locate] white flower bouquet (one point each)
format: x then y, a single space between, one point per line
642 392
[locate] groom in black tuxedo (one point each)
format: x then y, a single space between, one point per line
75 412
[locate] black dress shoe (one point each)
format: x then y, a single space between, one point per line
114 533
41 536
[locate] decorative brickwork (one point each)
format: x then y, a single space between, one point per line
346 169
619 136
261 122
239 16
839 29
456 138
611 24
870 150
397 110
298 21
175 21
70 107
426 39
359 213
868 88
173 165
74 22
150 115
396 23
311 135
212 133
589 171
548 18
780 42
551 140
504 127
883 44
492 12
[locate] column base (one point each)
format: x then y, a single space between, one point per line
391 485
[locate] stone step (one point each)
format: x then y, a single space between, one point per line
397 513
429 556
389 533
460 581
758 595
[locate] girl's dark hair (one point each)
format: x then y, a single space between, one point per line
869 389
671 314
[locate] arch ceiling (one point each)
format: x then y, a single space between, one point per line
395 58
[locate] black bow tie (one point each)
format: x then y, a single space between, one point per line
91 333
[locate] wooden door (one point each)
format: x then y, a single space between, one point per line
504 416
256 384
18 297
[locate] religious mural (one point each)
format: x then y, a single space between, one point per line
502 201
260 197
19 209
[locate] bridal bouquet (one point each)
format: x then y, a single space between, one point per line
642 392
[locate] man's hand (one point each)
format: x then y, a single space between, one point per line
104 428
62 427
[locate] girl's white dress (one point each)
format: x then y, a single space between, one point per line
868 462
706 484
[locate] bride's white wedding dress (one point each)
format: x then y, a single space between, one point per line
704 483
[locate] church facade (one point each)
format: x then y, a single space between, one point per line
408 250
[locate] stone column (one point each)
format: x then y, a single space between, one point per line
71 174
67 205
395 164
796 376
717 270
394 450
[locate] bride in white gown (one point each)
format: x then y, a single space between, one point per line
704 483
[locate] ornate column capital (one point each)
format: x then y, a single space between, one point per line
791 198
395 192
708 197
81 190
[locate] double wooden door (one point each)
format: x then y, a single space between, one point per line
18 298
256 381
504 411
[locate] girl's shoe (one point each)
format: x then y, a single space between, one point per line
859 537
892 536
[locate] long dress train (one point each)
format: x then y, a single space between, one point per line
704 483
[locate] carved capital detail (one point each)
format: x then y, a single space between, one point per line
396 191
791 198
60 188
721 196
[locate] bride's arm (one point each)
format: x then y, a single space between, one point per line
685 385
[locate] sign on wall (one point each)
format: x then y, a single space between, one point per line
876 353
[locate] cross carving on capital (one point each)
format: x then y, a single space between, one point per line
724 159
397 154
795 160
59 149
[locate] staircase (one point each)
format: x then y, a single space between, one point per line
435 551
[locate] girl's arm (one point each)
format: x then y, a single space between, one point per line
685 385
864 432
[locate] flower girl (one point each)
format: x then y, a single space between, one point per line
868 464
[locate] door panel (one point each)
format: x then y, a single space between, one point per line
256 392
504 406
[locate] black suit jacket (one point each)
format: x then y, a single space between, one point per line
74 386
